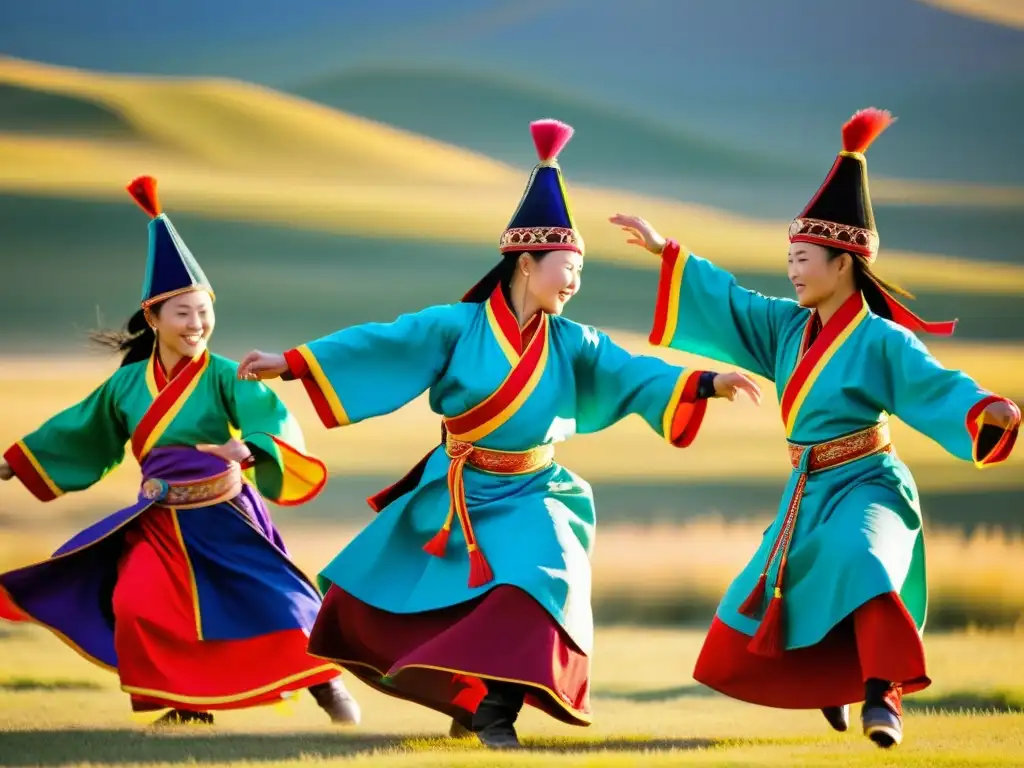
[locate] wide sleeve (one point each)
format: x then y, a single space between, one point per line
611 384
74 449
283 472
376 368
700 309
946 405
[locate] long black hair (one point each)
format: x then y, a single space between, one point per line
135 342
870 284
500 275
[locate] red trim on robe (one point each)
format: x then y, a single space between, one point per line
157 643
504 634
23 469
878 640
299 369
689 413
1002 449
669 257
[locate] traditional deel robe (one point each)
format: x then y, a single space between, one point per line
478 564
836 593
189 593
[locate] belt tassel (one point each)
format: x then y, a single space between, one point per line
770 638
479 569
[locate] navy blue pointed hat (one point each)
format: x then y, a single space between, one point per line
170 267
543 221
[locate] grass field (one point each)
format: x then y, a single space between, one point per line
55 709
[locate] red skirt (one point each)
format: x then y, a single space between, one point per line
879 640
162 662
441 658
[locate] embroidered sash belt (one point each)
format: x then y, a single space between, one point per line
194 493
486 460
769 640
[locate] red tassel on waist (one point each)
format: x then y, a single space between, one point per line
479 569
770 638
438 543
751 607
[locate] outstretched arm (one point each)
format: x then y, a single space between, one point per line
947 405
71 451
367 370
700 309
612 384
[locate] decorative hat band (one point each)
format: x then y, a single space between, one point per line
829 233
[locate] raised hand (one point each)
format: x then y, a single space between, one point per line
6 473
261 365
728 385
641 233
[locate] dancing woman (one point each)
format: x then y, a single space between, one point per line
830 609
189 593
470 592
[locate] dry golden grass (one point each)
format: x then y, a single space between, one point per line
1009 13
58 710
236 150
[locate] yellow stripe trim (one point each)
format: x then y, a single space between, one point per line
820 365
174 410
506 347
675 288
325 385
168 696
495 423
60 635
673 404
191 574
43 475
151 375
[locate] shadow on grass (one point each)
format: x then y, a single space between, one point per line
655 695
185 746
17 684
971 701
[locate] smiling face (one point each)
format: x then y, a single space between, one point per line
552 279
184 323
815 272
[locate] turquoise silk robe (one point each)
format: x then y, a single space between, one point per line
536 530
858 531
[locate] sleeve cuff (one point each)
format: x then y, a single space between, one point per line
31 473
685 411
666 304
991 444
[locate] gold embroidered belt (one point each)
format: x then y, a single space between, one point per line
486 460
768 640
194 493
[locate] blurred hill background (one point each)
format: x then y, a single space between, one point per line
334 163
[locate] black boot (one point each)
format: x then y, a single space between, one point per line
838 717
882 716
334 699
184 717
494 720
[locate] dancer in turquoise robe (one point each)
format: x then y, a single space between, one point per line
830 608
470 591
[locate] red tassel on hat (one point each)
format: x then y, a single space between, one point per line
769 640
550 138
479 569
751 607
143 190
864 127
